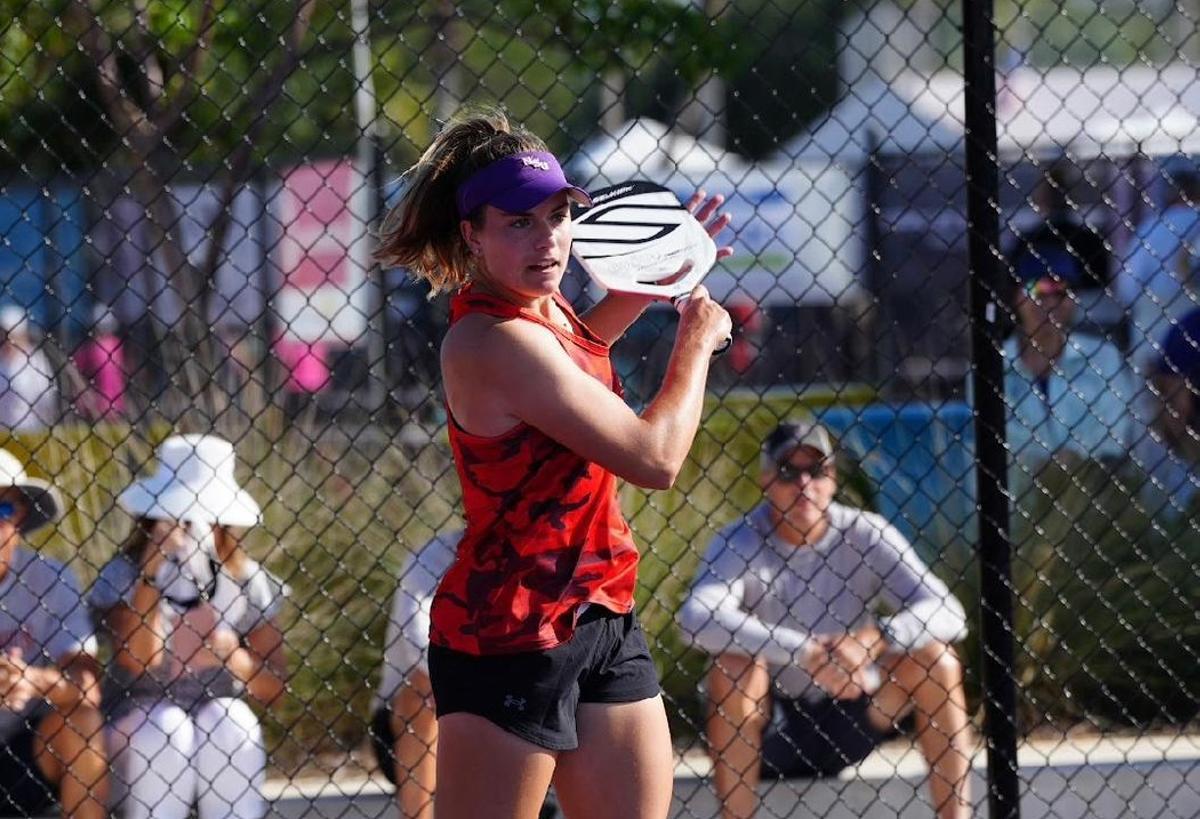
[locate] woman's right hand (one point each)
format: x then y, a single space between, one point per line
704 320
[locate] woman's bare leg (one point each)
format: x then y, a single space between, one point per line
624 765
484 772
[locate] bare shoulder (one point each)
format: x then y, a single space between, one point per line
484 344
489 364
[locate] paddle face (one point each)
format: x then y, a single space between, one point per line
638 238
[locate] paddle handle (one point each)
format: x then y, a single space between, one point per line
678 302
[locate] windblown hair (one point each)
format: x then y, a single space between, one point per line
421 232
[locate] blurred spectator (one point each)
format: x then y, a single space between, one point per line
1060 244
28 394
100 359
51 733
1068 391
404 725
1163 263
1175 377
417 328
306 368
747 323
827 631
192 623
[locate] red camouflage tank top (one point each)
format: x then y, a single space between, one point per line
544 532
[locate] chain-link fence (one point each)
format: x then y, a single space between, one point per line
938 239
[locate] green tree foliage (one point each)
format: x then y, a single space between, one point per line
184 73
786 73
202 62
544 62
1089 32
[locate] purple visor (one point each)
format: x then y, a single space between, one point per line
516 184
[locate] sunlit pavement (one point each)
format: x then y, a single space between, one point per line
1070 778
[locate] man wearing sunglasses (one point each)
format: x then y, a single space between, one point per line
51 732
827 633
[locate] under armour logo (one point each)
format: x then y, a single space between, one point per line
516 703
534 162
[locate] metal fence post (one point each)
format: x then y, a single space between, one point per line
996 606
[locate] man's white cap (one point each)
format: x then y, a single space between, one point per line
790 436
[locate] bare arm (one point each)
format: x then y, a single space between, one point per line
501 373
613 314
138 635
261 663
76 683
67 686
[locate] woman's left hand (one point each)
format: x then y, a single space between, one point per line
705 208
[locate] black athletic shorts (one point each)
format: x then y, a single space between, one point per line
24 790
808 739
535 694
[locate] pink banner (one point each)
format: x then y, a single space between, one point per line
322 292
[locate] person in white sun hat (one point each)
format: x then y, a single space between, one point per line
51 732
192 621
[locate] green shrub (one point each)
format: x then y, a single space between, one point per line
1108 608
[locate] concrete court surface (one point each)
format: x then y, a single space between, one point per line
1075 778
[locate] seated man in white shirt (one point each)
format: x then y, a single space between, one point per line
809 674
404 726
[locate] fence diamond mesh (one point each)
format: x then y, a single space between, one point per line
228 490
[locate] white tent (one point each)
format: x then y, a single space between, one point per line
647 149
1154 110
1113 111
792 222
793 234
883 113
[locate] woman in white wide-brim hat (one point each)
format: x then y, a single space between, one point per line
192 620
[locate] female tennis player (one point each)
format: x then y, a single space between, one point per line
539 669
